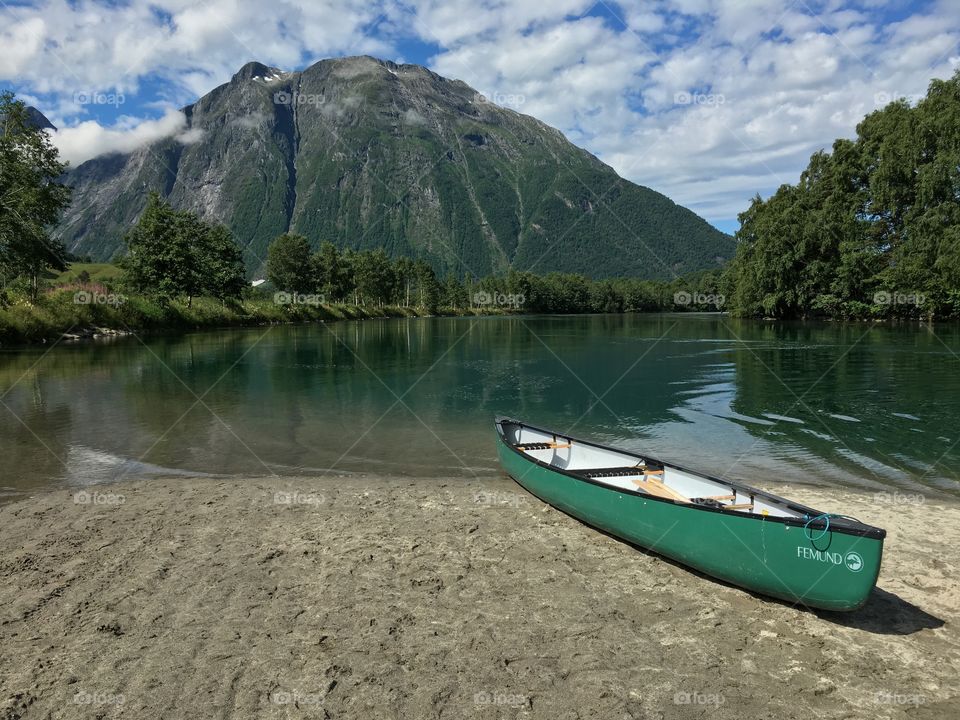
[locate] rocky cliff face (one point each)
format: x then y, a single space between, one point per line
368 154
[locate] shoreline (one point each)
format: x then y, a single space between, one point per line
369 596
85 323
181 320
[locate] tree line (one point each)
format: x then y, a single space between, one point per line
368 277
872 229
372 277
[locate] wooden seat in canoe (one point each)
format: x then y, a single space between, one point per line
653 486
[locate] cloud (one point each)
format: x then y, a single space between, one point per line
412 117
251 121
191 136
708 101
90 139
60 46
21 42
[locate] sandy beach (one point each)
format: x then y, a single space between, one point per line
366 597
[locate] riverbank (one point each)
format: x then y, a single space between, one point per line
91 312
385 597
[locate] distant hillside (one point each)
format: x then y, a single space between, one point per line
369 154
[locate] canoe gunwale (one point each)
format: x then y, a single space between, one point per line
846 526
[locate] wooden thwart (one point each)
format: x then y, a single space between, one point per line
656 487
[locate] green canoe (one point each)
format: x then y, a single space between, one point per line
730 531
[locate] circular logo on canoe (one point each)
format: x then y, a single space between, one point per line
853 561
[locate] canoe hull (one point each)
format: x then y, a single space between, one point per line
835 571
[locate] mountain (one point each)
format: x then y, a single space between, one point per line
368 154
38 119
34 118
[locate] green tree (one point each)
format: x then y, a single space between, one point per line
405 276
289 265
348 264
160 254
330 272
31 198
222 263
428 289
374 277
605 297
876 220
172 254
454 294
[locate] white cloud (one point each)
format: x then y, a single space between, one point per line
90 139
771 82
65 47
21 42
412 117
191 136
251 121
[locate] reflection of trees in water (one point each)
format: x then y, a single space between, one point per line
862 372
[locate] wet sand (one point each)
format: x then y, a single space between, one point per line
367 597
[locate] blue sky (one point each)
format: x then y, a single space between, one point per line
708 101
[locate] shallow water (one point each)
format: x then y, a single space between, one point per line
822 403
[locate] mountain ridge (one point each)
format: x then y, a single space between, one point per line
370 153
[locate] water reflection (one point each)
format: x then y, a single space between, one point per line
819 403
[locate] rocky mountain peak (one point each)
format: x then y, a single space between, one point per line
368 153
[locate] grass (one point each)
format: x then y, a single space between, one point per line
96 272
87 309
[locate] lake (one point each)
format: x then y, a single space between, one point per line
872 406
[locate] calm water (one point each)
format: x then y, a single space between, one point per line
814 403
